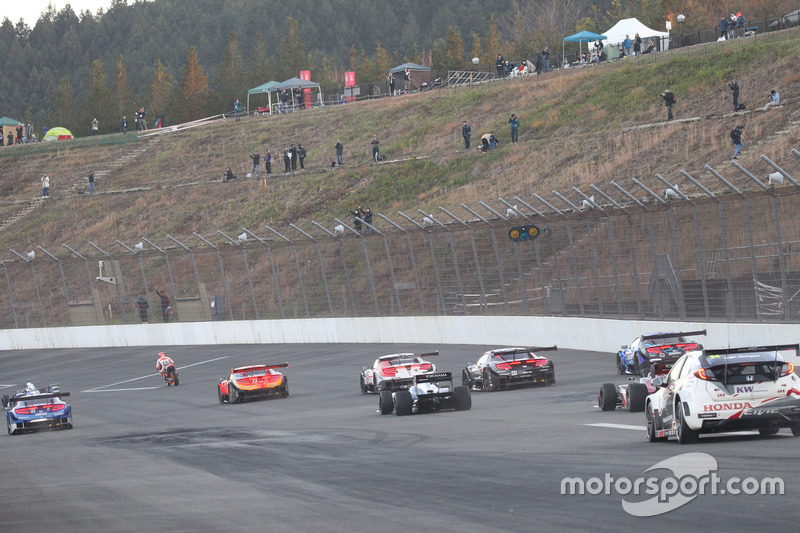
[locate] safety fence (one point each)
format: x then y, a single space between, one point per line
717 248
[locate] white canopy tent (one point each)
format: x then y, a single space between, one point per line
630 27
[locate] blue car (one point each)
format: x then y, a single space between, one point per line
32 409
655 353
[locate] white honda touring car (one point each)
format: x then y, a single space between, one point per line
733 389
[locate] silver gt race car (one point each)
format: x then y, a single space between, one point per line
429 393
730 389
508 367
394 372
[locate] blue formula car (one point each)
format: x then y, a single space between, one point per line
655 352
32 409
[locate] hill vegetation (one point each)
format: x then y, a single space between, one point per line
580 126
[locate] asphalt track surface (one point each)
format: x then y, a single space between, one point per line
144 457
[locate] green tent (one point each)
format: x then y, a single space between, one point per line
59 134
8 125
5 121
261 89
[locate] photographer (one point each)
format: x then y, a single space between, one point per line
734 87
736 137
669 100
357 219
256 157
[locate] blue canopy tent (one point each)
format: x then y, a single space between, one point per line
261 89
582 37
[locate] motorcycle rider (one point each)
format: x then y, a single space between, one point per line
163 363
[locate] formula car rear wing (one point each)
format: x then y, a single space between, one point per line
433 378
37 397
674 334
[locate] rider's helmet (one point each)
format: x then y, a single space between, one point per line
30 388
161 354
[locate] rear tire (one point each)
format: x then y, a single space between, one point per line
4 399
220 396
403 403
285 387
463 399
174 375
362 384
233 394
686 435
466 379
607 400
768 431
385 402
796 430
489 383
637 396
620 365
651 426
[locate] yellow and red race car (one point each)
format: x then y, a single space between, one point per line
253 382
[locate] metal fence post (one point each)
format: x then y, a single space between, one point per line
474 256
440 306
10 295
612 250
412 259
321 266
389 262
368 265
272 267
297 264
144 277
169 269
61 270
453 254
222 273
86 262
246 271
629 223
117 285
35 285
496 255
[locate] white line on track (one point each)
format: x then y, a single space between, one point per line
105 388
617 426
6 385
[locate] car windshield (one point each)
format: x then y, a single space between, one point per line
664 340
252 373
405 361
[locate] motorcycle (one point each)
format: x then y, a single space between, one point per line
170 375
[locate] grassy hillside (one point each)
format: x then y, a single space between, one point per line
577 127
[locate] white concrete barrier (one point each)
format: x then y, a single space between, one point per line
577 333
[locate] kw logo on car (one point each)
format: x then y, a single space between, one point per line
746 388
726 406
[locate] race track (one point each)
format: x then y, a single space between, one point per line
144 457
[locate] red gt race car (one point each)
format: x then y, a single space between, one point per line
253 383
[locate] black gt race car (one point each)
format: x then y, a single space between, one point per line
655 353
509 367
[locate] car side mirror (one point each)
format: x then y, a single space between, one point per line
657 382
624 347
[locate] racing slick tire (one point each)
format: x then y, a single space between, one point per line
362 384
10 431
463 399
607 400
385 402
768 431
620 365
637 396
550 379
284 387
403 403
220 396
651 426
466 379
174 374
796 430
4 399
686 435
489 383
233 394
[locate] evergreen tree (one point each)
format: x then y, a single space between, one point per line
476 46
230 83
160 88
64 114
493 43
193 90
454 50
259 68
122 93
382 62
97 101
292 53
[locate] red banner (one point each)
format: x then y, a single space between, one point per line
306 75
349 81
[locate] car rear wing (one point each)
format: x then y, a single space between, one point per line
36 397
258 367
755 349
433 377
674 334
406 354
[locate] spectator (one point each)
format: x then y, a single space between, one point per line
627 44
539 62
637 45
95 126
287 159
165 305
499 65
339 150
28 133
356 220
736 137
237 109
124 124
142 120
493 142
391 81
722 27
19 133
228 176
732 27
91 182
407 77
268 161
256 157
284 99
375 149
301 155
546 58
10 138
598 46
45 186
142 305
293 156
136 122
774 98
734 87
741 25
669 101
366 216
514 124
466 132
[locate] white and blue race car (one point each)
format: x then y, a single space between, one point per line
31 409
428 393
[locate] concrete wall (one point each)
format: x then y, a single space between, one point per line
576 333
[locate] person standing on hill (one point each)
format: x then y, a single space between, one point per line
466 132
500 65
301 155
722 27
407 76
45 186
669 101
366 216
95 126
514 124
124 124
256 157
637 45
237 109
736 137
339 151
627 44
293 156
268 162
91 182
142 305
734 87
165 304
375 149
391 81
546 58
356 219
287 159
